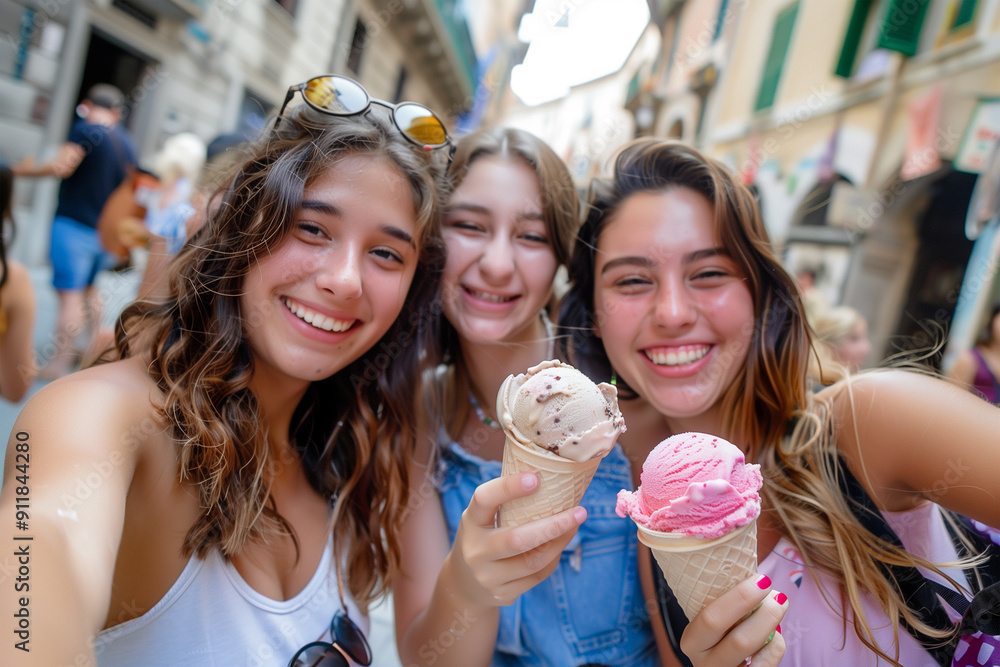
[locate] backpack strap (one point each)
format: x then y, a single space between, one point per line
919 593
674 617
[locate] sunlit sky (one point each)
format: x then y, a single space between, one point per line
571 42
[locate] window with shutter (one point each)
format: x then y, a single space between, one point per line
965 13
901 26
780 40
852 40
720 21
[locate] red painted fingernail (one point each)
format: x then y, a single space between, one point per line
780 598
764 582
778 628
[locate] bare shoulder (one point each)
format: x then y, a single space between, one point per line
93 409
901 431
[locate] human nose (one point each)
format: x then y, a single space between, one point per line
497 260
340 273
675 309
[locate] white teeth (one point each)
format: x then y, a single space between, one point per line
677 357
492 298
317 320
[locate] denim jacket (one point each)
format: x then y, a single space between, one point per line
591 608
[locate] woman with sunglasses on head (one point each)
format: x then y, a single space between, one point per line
553 592
230 490
675 289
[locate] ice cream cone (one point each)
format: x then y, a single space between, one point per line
562 481
699 570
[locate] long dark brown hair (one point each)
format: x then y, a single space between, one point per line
768 408
6 217
353 431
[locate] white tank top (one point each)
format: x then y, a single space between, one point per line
211 617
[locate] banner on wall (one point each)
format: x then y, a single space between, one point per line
981 136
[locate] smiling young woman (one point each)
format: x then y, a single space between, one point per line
676 290
251 470
537 594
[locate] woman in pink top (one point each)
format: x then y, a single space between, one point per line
677 293
979 368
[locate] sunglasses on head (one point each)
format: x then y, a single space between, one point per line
339 96
349 644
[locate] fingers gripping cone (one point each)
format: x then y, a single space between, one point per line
699 570
562 482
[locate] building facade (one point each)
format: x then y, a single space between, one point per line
209 67
863 125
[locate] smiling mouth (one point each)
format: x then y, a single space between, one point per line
486 296
680 356
316 319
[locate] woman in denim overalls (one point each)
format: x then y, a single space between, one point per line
560 591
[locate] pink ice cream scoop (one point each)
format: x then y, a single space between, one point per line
694 484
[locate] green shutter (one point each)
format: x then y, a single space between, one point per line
720 21
852 40
776 57
901 26
966 12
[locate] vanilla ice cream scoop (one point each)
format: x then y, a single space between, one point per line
556 407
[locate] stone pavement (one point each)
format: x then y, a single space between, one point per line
114 288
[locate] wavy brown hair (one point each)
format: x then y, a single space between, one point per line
6 217
768 407
560 211
353 431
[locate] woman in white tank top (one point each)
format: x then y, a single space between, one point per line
231 484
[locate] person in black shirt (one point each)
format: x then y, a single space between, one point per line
92 162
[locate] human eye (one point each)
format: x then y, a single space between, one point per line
466 226
388 254
532 237
628 282
310 230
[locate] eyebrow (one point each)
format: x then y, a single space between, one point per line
477 208
647 263
330 209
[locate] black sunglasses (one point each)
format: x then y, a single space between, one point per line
349 643
339 96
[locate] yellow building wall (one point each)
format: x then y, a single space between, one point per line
816 41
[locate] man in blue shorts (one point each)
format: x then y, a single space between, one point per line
93 161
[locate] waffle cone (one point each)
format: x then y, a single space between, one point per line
698 570
562 482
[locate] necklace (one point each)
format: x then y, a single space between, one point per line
550 335
492 423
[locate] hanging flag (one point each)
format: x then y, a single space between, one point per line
922 156
748 170
981 136
826 161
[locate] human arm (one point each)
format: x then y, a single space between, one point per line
68 471
61 166
17 351
909 437
456 594
964 369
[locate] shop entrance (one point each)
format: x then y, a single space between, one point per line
941 260
109 61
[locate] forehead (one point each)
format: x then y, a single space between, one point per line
374 182
494 178
678 219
